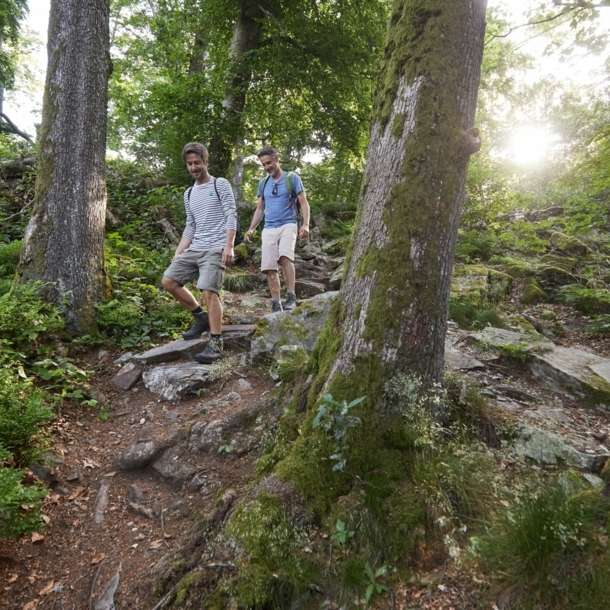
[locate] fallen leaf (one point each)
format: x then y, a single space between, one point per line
48 588
157 544
31 605
13 578
77 492
110 474
97 559
166 535
46 519
36 537
32 577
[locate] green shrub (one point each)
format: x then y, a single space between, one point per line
589 300
19 504
475 245
26 319
9 258
470 317
548 549
22 410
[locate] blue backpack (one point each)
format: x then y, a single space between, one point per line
238 236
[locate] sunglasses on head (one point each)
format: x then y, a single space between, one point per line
274 189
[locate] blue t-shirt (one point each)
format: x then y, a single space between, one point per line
279 210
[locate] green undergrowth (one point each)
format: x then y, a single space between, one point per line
472 317
398 491
549 548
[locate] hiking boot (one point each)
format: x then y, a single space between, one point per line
212 351
291 302
276 306
200 326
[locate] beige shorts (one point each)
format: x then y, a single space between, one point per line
207 265
278 242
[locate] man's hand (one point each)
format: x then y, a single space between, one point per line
176 255
227 256
304 232
248 236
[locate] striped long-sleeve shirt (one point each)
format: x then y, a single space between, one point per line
209 216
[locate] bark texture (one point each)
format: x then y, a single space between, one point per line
392 317
230 136
64 240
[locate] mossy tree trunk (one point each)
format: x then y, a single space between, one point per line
64 240
228 138
394 301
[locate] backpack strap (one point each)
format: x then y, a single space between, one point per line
190 189
262 184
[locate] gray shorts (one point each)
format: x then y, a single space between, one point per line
207 265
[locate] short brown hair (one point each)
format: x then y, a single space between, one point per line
198 149
268 151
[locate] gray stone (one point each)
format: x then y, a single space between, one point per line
499 337
173 464
123 358
170 351
319 220
300 326
593 480
206 438
456 359
550 448
244 385
516 392
138 455
173 382
336 279
219 402
127 377
308 288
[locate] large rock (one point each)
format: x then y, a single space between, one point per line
301 326
307 288
549 448
173 382
457 359
565 370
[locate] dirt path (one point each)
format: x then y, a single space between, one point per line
59 569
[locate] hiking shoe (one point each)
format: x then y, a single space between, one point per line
276 306
211 353
291 302
200 326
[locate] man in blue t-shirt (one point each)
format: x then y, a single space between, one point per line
280 232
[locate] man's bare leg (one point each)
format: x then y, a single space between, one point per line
289 272
180 293
273 280
214 311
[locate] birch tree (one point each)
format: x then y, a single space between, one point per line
64 240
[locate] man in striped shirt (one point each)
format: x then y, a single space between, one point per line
204 251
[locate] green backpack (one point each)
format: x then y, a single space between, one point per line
294 200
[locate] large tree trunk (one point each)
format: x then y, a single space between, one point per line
229 135
394 302
64 240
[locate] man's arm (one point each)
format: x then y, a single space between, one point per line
230 211
185 242
258 214
304 232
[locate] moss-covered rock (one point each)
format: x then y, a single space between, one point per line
479 285
569 244
562 262
532 292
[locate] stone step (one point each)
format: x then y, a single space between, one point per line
235 337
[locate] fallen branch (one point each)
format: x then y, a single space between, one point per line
169 230
147 512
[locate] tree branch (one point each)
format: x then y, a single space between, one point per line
16 129
546 20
